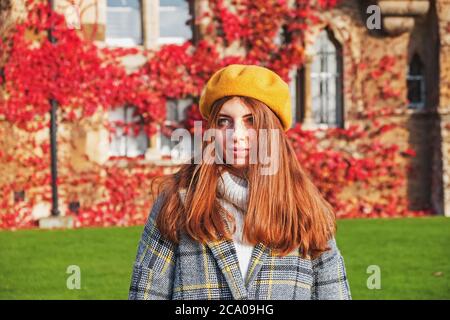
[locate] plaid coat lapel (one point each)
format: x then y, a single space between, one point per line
225 254
259 254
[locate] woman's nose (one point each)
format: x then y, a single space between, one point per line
240 131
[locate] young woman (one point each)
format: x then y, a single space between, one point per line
225 228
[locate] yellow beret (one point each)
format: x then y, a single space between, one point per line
250 81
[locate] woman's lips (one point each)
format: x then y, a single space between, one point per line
237 151
240 151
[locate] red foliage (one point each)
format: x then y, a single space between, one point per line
82 77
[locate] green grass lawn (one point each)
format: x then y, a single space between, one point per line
413 255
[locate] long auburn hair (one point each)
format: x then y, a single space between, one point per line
285 210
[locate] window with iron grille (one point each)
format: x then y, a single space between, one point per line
416 83
326 81
128 137
124 23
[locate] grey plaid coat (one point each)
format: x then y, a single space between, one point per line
192 270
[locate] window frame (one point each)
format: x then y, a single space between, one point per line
182 105
302 104
119 42
126 137
421 78
179 40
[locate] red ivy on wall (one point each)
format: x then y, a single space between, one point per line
83 78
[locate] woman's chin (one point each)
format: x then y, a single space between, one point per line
240 163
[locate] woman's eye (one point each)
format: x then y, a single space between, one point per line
223 122
250 120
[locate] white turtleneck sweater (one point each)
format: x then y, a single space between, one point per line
235 200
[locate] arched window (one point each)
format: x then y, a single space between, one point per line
326 81
416 83
128 138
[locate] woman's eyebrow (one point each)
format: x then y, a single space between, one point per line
244 116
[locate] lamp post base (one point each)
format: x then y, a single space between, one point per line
58 222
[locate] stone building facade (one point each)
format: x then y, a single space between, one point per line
415 32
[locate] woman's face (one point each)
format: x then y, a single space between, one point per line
233 122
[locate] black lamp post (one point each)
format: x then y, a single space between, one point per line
53 143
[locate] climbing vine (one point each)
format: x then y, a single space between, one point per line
87 80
